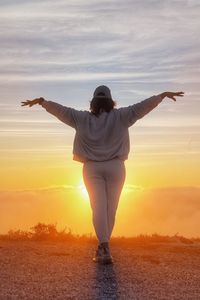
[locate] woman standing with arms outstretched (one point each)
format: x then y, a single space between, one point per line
102 144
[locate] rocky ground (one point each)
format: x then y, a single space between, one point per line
64 270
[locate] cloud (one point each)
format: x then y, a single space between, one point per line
21 209
132 45
165 210
88 35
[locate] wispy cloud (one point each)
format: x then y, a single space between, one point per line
133 37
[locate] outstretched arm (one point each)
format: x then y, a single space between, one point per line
144 107
132 113
65 114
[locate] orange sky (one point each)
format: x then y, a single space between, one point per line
160 195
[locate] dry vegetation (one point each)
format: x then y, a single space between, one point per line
49 232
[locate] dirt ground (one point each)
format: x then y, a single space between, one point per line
64 270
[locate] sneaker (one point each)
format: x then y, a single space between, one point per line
103 255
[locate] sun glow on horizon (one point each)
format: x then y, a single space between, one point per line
83 191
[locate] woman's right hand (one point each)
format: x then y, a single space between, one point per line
32 102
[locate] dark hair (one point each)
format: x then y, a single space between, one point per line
100 102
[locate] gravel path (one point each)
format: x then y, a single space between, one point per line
64 270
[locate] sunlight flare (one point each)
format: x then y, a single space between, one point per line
83 191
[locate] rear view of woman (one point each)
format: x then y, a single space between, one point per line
102 145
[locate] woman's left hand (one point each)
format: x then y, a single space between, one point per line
172 95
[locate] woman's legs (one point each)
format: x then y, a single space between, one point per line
115 177
104 182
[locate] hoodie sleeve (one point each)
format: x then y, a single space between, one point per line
65 114
130 114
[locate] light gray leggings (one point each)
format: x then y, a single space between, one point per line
104 182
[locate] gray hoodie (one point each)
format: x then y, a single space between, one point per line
104 137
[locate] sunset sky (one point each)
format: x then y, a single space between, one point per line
62 50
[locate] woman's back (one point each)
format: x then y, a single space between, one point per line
100 138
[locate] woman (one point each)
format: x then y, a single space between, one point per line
102 144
